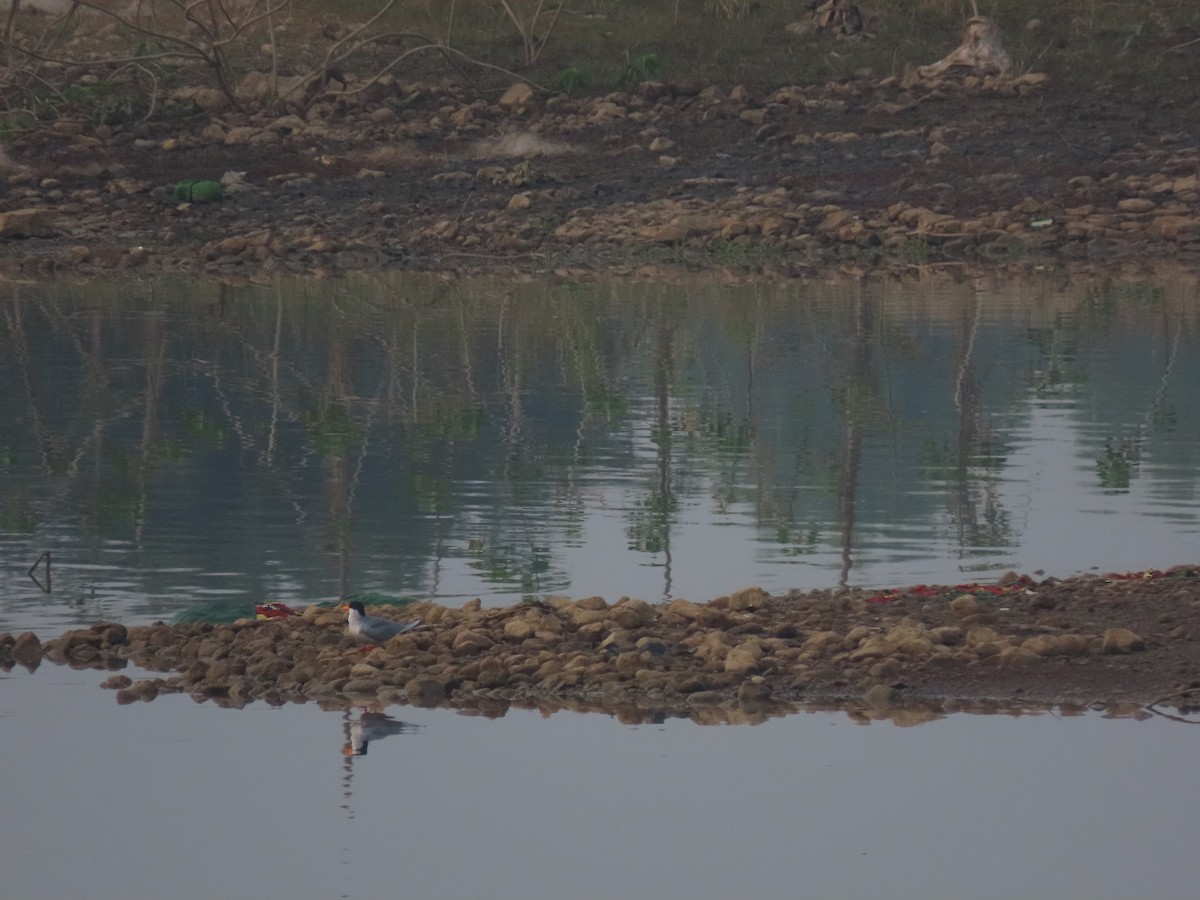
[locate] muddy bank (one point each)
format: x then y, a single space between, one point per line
895 171
1114 642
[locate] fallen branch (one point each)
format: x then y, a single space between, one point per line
45 587
317 74
981 52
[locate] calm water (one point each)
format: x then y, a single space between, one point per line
175 800
175 443
178 443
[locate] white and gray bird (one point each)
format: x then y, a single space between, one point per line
374 629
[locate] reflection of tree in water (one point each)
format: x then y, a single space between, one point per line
405 425
857 396
1122 456
510 546
979 517
654 515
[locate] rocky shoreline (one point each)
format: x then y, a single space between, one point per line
883 172
1119 643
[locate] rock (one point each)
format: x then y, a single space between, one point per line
873 647
255 86
144 690
915 647
518 629
248 135
361 686
492 674
628 663
518 96
671 233
1121 640
468 642
947 635
1186 185
606 111
1175 227
747 598
1136 205
754 693
1056 645
819 642
224 669
835 220
965 605
652 645
631 613
209 99
1015 656
701 614
570 233
287 124
981 634
520 201
881 696
28 650
116 682
739 661
129 186
582 617
27 223
744 658
1041 645
8 165
987 649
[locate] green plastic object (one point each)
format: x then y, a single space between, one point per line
198 192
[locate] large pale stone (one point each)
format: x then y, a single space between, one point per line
965 605
1174 227
517 96
747 598
468 642
1121 640
1136 205
28 222
742 660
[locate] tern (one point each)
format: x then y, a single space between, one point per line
374 629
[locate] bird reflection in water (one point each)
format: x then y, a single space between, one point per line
359 733
369 726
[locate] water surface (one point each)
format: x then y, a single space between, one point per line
173 443
176 443
170 799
